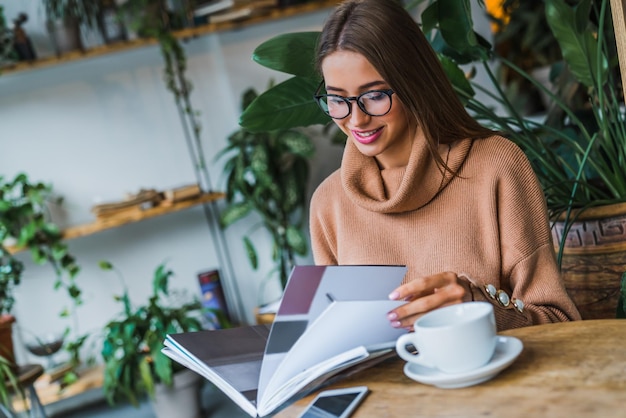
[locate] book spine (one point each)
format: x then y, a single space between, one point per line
213 297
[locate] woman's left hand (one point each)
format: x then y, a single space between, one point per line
425 294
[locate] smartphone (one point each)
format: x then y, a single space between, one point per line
335 403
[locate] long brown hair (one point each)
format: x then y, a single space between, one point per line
391 40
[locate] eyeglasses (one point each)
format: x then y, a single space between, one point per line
372 103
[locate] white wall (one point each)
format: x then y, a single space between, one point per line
99 128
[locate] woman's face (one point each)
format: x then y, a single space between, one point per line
387 138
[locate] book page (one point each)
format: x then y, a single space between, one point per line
309 291
342 327
229 358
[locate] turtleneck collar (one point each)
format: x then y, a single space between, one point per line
401 189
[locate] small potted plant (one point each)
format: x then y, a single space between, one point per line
64 19
134 364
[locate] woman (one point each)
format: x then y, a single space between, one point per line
423 184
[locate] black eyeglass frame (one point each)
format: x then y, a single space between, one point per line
388 92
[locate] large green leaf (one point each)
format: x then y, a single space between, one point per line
457 78
578 43
457 27
234 212
287 105
291 53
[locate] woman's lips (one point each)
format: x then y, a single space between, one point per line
367 137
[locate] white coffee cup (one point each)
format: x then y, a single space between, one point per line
454 339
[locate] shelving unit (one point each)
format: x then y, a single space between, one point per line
188 33
206 201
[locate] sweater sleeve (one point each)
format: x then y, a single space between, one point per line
535 287
529 270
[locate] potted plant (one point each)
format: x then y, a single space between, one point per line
577 153
266 174
24 225
133 363
64 20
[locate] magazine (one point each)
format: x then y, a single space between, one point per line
331 321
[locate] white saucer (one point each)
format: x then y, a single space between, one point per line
507 350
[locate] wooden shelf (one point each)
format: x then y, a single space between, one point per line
132 217
188 33
50 391
137 216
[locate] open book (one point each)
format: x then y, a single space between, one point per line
331 321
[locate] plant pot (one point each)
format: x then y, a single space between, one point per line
182 400
594 259
65 35
6 338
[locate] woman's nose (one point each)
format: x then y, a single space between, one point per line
357 115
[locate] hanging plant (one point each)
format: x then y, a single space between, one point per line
154 19
24 225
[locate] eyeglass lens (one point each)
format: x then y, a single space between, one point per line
373 103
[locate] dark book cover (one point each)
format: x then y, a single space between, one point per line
235 354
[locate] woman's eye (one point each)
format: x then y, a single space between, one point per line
374 95
335 101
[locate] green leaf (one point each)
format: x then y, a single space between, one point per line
162 365
297 143
291 193
430 18
296 239
105 265
291 53
457 27
161 279
578 44
284 106
251 251
260 164
146 376
457 78
234 212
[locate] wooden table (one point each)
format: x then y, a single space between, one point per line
572 369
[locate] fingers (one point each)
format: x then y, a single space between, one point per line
423 286
424 295
405 315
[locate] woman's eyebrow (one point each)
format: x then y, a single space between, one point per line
362 87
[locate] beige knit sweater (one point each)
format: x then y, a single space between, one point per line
489 223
